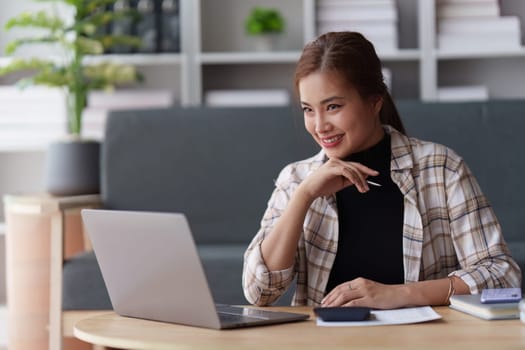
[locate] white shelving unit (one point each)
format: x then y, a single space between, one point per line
230 63
216 54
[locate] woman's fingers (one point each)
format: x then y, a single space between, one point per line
340 295
356 178
355 173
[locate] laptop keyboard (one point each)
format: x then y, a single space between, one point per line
230 317
224 317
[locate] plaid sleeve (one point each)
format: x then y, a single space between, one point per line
483 255
262 286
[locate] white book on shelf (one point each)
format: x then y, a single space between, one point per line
379 39
245 98
94 123
488 42
473 25
355 2
463 93
372 28
384 47
100 103
471 9
33 103
130 99
357 12
446 2
31 118
28 139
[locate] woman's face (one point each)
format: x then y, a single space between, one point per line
337 117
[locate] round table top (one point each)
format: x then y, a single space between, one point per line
454 330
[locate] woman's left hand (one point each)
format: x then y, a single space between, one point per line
364 292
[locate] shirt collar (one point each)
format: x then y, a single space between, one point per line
401 150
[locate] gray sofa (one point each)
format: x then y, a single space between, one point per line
217 166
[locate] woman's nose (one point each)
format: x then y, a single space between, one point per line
321 124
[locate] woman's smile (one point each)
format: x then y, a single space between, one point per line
331 141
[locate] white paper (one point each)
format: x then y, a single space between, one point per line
387 317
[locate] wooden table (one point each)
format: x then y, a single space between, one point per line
41 230
455 331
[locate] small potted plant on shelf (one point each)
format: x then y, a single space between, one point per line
264 24
72 165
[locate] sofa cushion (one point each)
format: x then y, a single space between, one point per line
215 165
83 286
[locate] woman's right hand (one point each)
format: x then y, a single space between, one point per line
336 174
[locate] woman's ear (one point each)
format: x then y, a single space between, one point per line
376 103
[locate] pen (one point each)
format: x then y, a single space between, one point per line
373 183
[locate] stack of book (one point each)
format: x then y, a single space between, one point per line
31 118
246 98
463 93
475 25
375 19
472 305
158 25
100 103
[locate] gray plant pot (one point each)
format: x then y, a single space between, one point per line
73 167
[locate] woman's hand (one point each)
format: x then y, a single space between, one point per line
334 175
364 292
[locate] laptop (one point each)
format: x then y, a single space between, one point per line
152 270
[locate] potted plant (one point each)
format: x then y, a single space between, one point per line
264 24
72 165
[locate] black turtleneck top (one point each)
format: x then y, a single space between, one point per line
370 243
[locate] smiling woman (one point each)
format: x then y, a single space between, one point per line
341 122
415 240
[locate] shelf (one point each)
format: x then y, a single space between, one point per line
212 49
134 59
17 148
138 59
248 57
400 55
476 54
288 57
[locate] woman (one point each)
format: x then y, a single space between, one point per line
376 218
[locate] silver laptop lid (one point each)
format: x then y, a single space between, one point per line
151 267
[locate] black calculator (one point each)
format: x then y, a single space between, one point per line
342 313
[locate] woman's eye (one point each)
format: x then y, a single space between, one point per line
307 109
332 107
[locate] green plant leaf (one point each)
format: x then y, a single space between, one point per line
68 2
77 40
264 20
89 46
109 41
52 77
17 65
107 74
47 77
15 44
94 5
39 19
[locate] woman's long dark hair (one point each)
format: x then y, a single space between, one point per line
354 57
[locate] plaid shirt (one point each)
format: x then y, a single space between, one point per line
449 228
